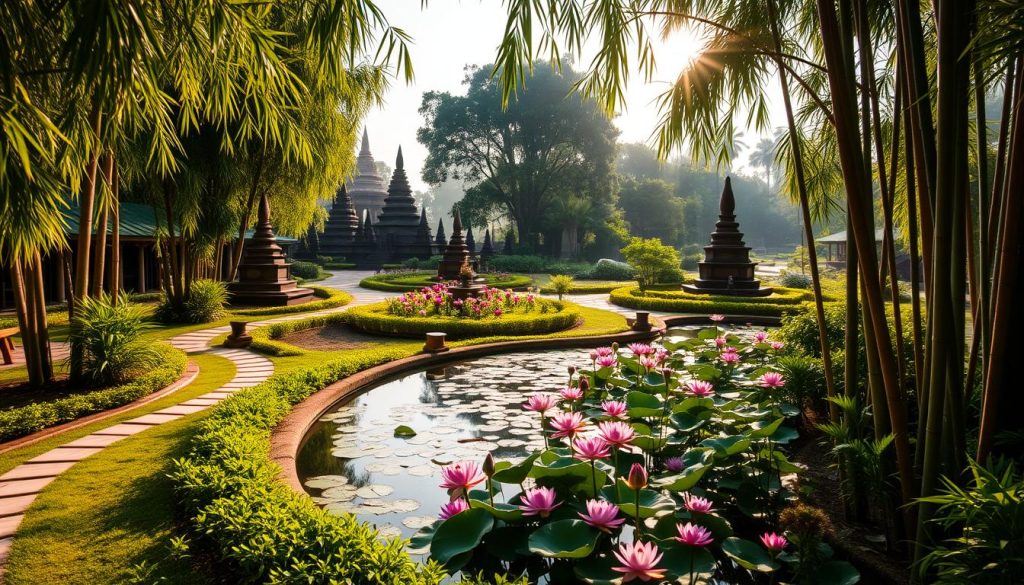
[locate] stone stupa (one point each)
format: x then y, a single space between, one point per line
340 229
367 189
264 273
440 239
727 269
455 253
398 226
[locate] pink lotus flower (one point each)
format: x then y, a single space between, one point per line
760 337
571 394
730 358
719 341
640 349
567 424
717 318
639 561
637 478
771 380
696 504
452 508
674 464
614 408
538 502
777 345
603 351
616 433
461 475
700 388
661 355
593 355
538 402
602 515
774 542
606 361
590 448
692 534
648 363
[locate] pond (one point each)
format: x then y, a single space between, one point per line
352 462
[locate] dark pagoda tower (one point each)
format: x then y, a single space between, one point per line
362 245
488 249
367 188
424 241
264 274
399 222
470 242
455 253
727 269
440 240
341 227
509 246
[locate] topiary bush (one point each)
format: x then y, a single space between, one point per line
104 338
307 270
561 285
204 303
18 422
609 269
548 316
677 301
329 299
794 280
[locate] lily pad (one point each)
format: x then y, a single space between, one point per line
564 539
752 556
458 535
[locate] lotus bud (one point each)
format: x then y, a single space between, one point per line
572 370
615 346
637 478
488 466
584 383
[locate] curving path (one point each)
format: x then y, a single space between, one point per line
20 486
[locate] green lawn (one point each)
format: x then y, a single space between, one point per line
106 515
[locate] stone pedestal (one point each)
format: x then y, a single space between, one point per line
435 342
264 274
238 337
465 291
727 269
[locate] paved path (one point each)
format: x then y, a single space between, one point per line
20 486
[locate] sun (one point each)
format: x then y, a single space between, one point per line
676 52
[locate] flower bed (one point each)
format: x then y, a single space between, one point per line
460 320
661 463
265 339
412 281
328 299
782 301
25 420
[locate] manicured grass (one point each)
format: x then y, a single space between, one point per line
114 510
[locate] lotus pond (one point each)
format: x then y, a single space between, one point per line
685 440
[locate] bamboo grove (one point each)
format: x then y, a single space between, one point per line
196 108
886 123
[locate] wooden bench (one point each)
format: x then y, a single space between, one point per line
7 344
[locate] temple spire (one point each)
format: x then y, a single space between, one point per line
365 147
399 160
727 204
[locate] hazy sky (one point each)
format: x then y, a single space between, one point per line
450 34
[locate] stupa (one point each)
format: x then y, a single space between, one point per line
424 242
367 188
727 269
398 226
488 248
264 274
440 240
340 228
455 253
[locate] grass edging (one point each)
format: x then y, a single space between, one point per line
329 299
792 301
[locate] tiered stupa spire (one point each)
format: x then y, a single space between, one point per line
440 239
455 253
367 188
341 227
264 273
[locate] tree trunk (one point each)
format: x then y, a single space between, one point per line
243 223
26 318
42 335
100 245
114 282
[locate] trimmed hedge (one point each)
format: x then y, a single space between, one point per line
407 281
264 339
329 298
25 420
784 301
585 287
339 265
552 316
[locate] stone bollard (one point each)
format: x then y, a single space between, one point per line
238 338
435 342
642 321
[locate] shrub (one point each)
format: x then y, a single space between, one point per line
805 382
329 298
692 261
25 420
609 269
783 301
339 266
561 285
650 258
324 260
548 316
794 280
671 275
307 270
418 264
574 269
105 340
800 329
204 303
265 339
522 264
588 287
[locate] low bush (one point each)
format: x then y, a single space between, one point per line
561 285
307 270
265 339
573 269
521 264
322 260
589 287
339 265
609 269
25 420
424 264
105 340
677 301
794 280
205 303
549 316
329 298
409 281
653 261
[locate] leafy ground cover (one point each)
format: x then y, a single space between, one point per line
780 302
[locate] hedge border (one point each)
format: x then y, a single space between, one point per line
373 319
329 299
383 282
583 287
629 297
265 339
16 423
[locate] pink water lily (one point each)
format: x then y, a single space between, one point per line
692 534
639 561
461 475
720 342
648 363
606 361
661 355
760 337
700 388
771 380
717 318
640 349
538 402
614 408
452 508
774 542
538 502
730 358
697 504
567 424
777 345
571 394
674 464
616 433
604 351
602 515
590 448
